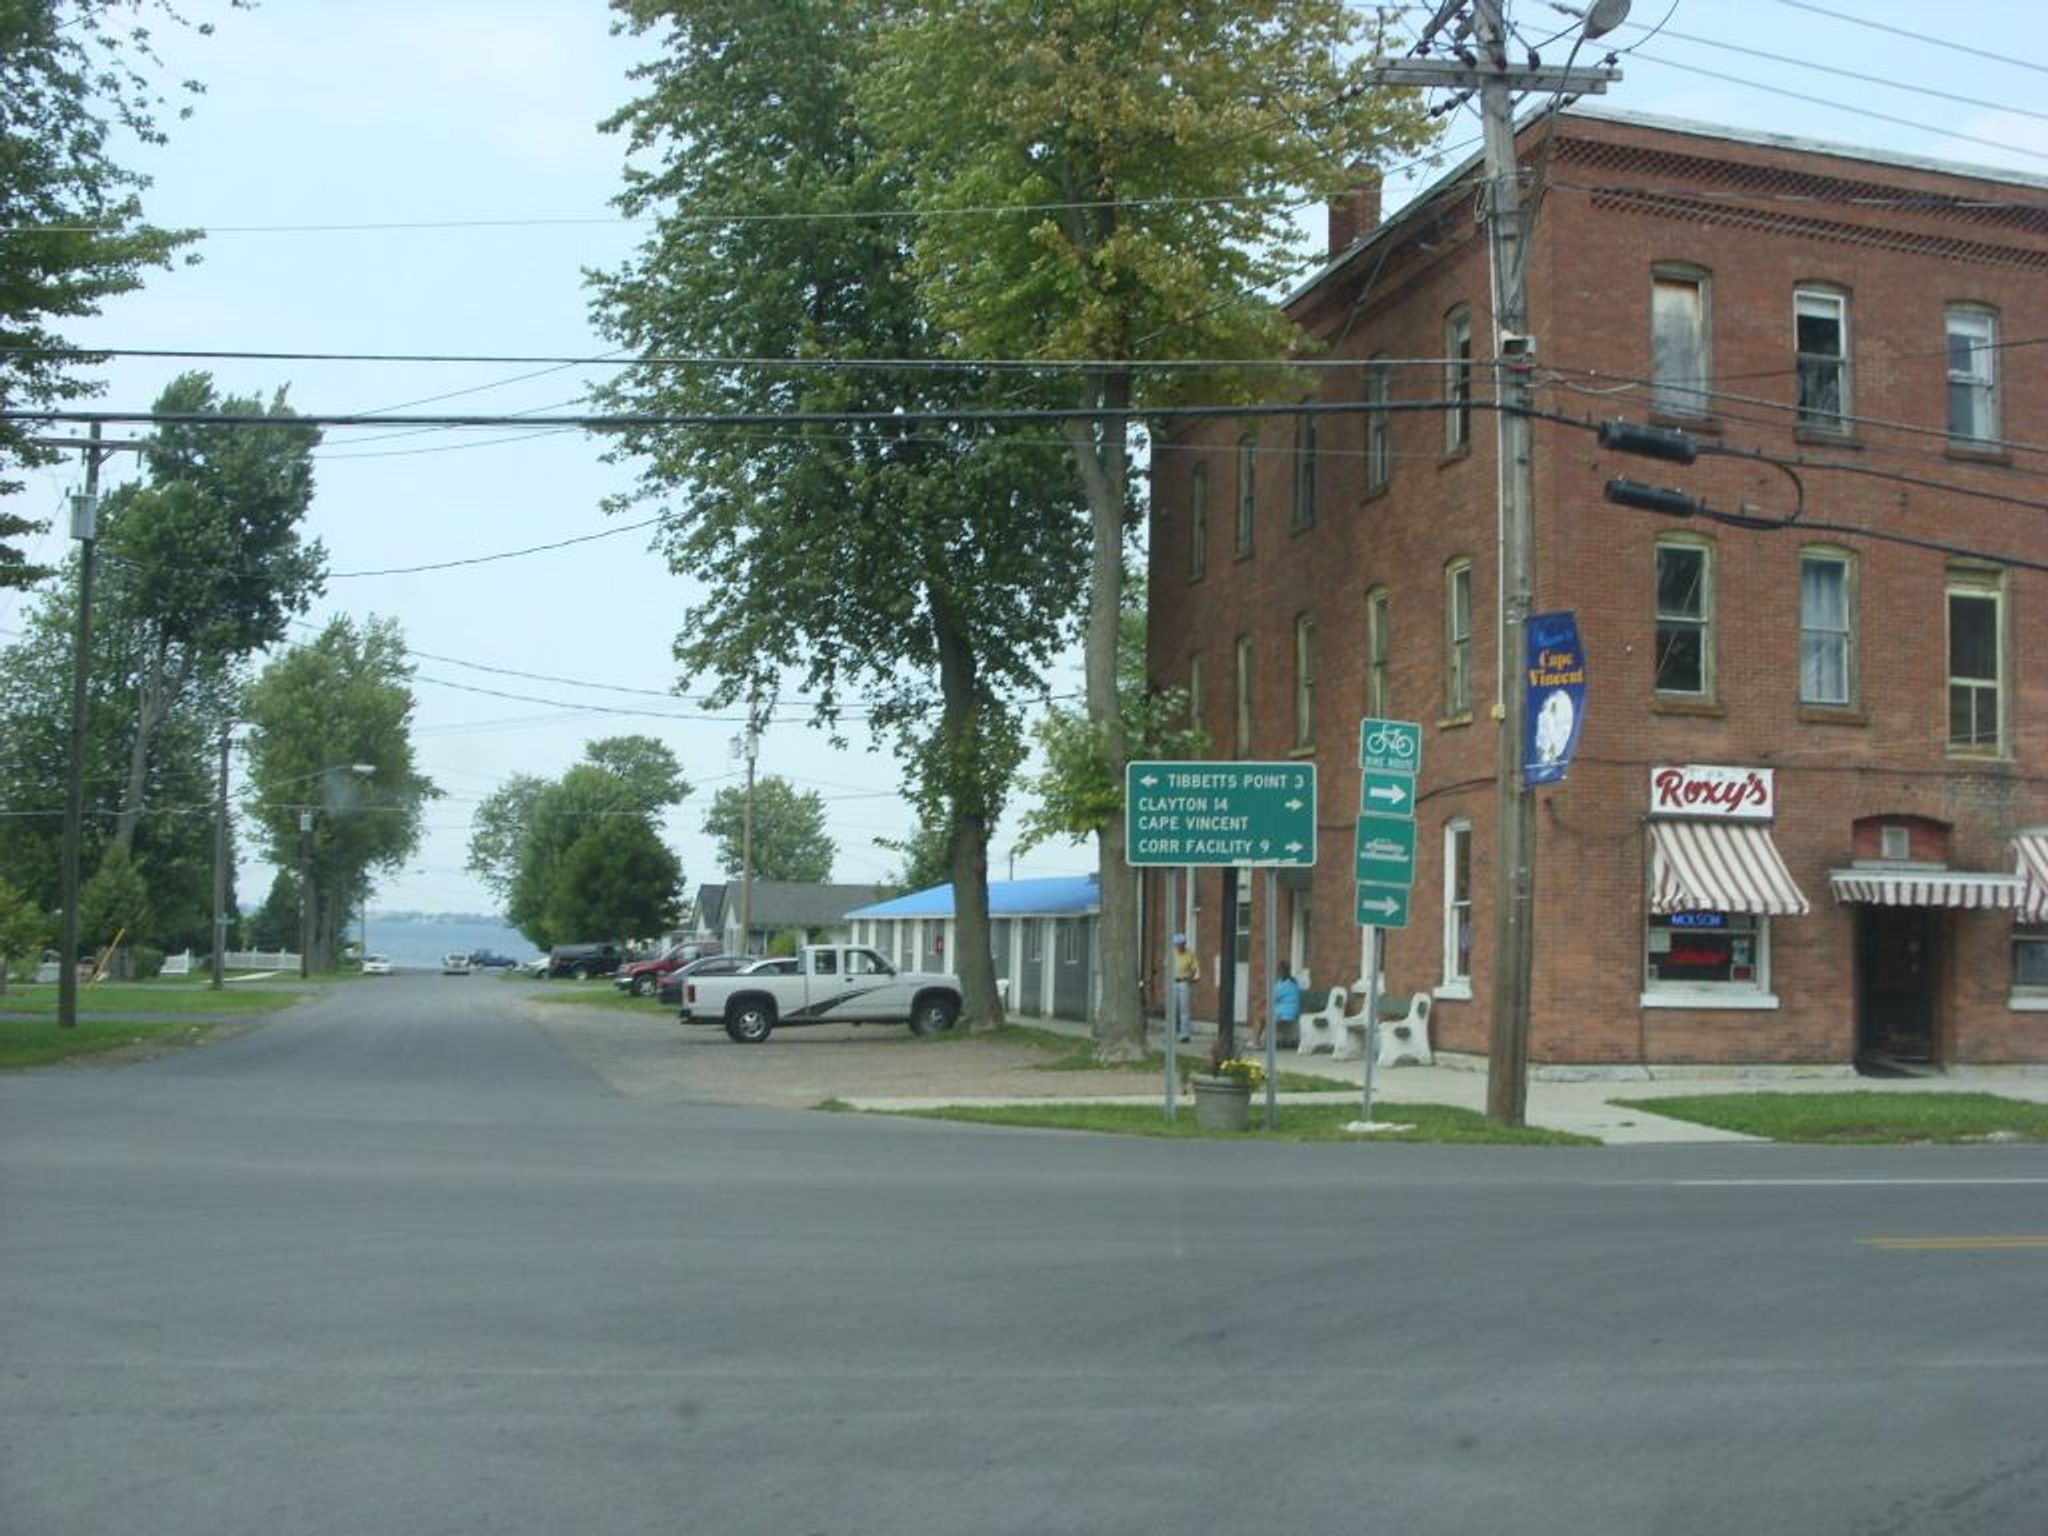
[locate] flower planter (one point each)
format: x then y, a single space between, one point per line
1222 1103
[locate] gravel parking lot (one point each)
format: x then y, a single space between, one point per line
650 1056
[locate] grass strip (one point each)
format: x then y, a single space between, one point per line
1863 1117
113 999
39 1042
590 995
1433 1123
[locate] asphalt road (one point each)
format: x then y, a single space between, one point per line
395 1263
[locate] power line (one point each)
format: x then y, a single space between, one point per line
1918 37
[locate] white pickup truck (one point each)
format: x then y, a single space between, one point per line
831 984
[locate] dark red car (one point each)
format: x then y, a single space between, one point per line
643 978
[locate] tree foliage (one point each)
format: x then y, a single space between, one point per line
24 929
617 881
114 903
73 73
789 837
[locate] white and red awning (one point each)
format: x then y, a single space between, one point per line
1926 888
1715 866
2032 849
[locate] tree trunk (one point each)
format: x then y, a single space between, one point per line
964 750
148 707
1102 459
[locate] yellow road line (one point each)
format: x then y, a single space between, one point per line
2011 1240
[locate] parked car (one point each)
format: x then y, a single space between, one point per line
456 964
828 984
578 961
376 965
491 960
671 990
642 978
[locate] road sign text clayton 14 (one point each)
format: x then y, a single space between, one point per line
1208 813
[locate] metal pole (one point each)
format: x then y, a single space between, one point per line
1372 1014
84 528
1272 970
220 869
747 853
1166 932
1507 1075
305 892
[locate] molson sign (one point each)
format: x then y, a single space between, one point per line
1726 794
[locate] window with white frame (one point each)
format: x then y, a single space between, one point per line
1679 362
1243 733
1247 491
1458 380
1707 955
1458 638
1304 680
1198 523
1827 628
1685 618
1976 661
1378 615
1458 905
1304 471
1034 939
1379 425
1070 942
2030 959
1820 322
1972 375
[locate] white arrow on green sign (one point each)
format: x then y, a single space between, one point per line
1382 906
1204 813
1387 793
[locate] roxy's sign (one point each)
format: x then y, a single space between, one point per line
1727 794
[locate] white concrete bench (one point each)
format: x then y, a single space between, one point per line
1324 1027
1404 1031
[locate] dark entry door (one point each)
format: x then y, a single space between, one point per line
1895 984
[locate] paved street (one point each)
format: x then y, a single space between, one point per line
399 1261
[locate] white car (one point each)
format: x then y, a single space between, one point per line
376 965
456 964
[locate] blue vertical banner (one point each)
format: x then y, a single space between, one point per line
1557 696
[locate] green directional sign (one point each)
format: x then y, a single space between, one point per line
1390 744
1199 813
1385 793
1382 906
1386 850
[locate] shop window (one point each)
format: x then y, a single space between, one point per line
1304 681
1458 380
1243 733
1378 615
1679 363
1457 980
2030 963
1247 491
1976 662
1070 943
1198 523
1304 471
1820 321
1827 630
1972 376
1034 939
1684 618
1707 955
1379 428
1458 638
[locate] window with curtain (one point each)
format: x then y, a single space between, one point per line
1304 681
1827 641
1458 380
1679 365
1684 619
1976 662
1379 425
1972 375
1820 322
1458 638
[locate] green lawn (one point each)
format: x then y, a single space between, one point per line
1858 1117
38 1042
1298 1122
601 994
131 997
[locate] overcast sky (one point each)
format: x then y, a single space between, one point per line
426 176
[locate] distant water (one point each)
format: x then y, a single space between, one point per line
421 941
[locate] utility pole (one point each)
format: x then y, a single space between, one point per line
305 892
85 529
1484 67
747 744
220 869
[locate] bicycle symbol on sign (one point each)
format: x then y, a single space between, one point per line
1387 743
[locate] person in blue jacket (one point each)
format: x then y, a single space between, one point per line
1286 1006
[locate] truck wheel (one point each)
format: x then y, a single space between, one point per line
750 1023
933 1015
643 986
579 973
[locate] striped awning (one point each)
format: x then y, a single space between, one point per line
1926 888
1715 866
2032 848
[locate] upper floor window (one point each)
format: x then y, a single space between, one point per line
1679 362
1198 523
1378 614
1247 490
1196 692
1304 680
1304 471
1244 696
1976 661
1820 319
1458 380
1458 638
1827 628
1972 375
1457 905
1685 617
1379 424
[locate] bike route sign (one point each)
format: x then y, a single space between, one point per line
1202 813
1394 745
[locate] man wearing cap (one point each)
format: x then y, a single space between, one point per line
1185 969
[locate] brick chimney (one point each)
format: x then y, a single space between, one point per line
1353 216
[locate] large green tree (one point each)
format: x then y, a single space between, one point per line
789 840
75 75
618 881
318 713
882 550
1144 156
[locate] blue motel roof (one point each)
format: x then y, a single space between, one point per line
1054 896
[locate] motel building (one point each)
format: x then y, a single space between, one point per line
1806 821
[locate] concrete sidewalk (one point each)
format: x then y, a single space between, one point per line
1582 1103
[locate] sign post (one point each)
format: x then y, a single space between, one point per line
1389 759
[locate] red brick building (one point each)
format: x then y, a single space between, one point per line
1874 711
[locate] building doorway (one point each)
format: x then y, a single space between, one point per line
1895 984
